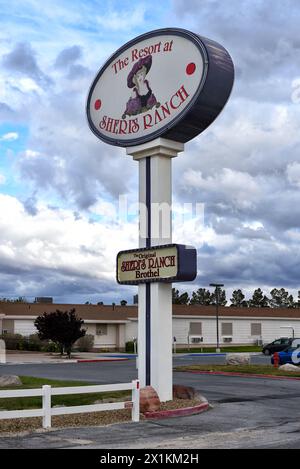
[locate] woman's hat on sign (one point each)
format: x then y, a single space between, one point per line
144 62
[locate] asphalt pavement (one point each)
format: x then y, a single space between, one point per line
246 412
107 372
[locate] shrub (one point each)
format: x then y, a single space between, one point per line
129 347
51 347
34 343
13 341
85 343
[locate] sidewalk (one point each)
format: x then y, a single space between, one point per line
20 358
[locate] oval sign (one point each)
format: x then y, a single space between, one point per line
167 83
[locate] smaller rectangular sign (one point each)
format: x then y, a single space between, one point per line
168 263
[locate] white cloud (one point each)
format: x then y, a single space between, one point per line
2 179
57 240
9 137
293 173
237 186
125 20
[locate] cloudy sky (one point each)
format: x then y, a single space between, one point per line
60 186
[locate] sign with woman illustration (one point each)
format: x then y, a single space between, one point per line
161 84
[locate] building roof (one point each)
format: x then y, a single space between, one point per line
88 312
198 310
124 313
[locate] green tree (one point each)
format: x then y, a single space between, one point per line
61 327
201 297
179 299
280 298
123 302
259 300
297 303
222 298
20 299
238 299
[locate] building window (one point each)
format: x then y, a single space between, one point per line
101 329
256 328
227 328
8 326
195 328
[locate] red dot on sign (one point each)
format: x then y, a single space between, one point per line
190 69
98 104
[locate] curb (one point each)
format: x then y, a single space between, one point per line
243 375
205 355
185 411
221 354
101 360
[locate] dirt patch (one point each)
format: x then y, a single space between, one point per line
58 421
179 404
88 419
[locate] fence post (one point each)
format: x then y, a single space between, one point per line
46 406
135 413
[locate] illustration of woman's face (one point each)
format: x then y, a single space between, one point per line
139 77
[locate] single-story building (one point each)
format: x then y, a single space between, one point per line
112 326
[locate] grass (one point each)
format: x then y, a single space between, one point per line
29 382
237 349
245 369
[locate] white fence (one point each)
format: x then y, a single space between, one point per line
47 392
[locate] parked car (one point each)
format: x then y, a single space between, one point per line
277 345
286 356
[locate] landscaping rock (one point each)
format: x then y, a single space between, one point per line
237 359
289 367
183 392
9 380
149 400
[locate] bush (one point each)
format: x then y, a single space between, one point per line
13 341
85 343
51 347
34 343
129 347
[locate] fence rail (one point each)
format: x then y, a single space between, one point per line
46 392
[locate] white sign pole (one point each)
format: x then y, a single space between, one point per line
155 299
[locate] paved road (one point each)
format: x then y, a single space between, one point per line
246 413
105 372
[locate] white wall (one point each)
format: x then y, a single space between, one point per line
25 327
122 335
241 329
102 341
271 329
131 330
